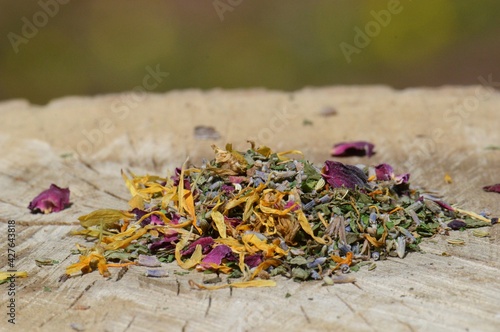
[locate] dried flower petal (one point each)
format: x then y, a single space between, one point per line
8 275
338 175
243 284
204 242
88 264
384 172
237 179
167 242
493 188
402 179
152 219
217 255
358 148
108 218
457 224
253 260
53 199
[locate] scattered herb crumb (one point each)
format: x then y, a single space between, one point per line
307 122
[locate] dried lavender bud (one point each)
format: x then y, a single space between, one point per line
156 273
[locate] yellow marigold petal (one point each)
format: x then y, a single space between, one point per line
243 284
218 218
82 266
8 275
307 227
281 155
106 217
215 267
129 184
374 241
190 262
125 242
103 268
160 214
339 260
265 265
235 245
253 245
136 202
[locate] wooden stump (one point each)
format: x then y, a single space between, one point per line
83 143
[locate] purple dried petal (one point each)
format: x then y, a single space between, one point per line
205 243
358 148
457 224
53 199
138 213
289 204
167 242
445 205
337 175
149 261
227 188
237 179
175 218
493 188
217 255
253 260
233 221
402 179
152 219
156 220
384 172
177 176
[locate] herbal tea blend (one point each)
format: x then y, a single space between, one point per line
258 214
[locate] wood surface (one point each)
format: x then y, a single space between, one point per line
427 132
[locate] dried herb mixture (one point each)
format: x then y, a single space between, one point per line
257 214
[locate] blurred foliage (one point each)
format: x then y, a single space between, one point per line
93 47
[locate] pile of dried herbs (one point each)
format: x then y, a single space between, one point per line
257 214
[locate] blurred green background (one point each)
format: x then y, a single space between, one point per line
94 47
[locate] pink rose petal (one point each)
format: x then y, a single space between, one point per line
253 260
402 178
384 172
51 200
338 175
204 242
217 255
493 188
358 148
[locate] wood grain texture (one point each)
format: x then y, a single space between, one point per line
427 132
